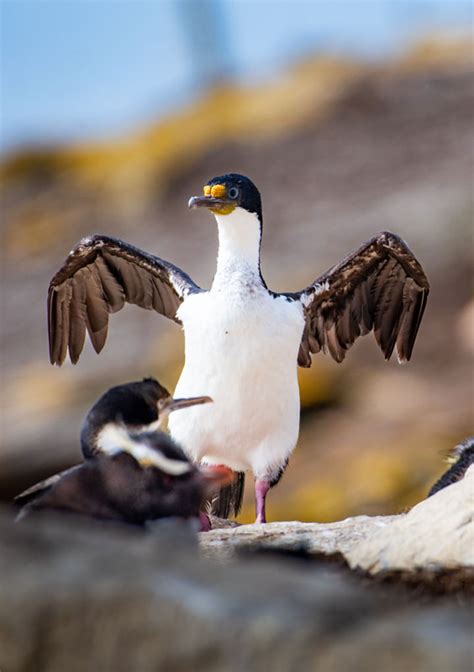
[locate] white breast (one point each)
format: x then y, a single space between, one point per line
241 347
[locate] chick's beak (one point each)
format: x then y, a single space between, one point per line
216 476
167 406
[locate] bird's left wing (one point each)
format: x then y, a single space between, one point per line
380 287
39 489
99 276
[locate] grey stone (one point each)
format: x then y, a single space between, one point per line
438 532
326 538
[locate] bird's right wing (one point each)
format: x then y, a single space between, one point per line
99 276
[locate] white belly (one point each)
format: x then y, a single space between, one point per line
241 350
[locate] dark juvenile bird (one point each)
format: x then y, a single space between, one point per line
242 341
132 472
141 477
140 406
461 458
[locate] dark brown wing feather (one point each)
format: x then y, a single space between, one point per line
381 288
39 489
98 277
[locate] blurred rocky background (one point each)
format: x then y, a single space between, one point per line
343 138
94 596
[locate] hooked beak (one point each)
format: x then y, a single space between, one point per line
219 206
169 405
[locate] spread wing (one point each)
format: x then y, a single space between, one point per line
381 288
99 276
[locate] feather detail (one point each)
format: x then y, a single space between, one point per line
99 276
380 287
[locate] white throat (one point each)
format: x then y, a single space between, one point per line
239 242
114 439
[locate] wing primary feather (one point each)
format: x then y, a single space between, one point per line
54 335
344 328
97 278
113 291
98 337
97 313
65 321
77 319
367 321
380 287
410 325
388 311
336 350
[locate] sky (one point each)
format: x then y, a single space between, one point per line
80 69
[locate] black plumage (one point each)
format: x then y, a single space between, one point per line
139 474
462 458
134 405
247 194
117 487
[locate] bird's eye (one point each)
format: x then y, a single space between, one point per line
233 193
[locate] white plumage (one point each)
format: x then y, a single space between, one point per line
241 347
243 342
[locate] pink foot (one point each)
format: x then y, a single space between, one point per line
261 489
204 522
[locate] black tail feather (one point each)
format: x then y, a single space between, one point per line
228 501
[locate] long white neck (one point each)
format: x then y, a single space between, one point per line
239 243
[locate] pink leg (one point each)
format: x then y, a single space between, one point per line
261 489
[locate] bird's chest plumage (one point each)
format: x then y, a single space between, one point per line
241 346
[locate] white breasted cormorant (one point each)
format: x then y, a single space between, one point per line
242 341
132 472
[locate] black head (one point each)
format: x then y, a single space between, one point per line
132 404
224 193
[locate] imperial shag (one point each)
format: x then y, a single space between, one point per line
132 472
242 341
141 478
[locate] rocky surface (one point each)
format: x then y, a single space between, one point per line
84 596
311 538
437 533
